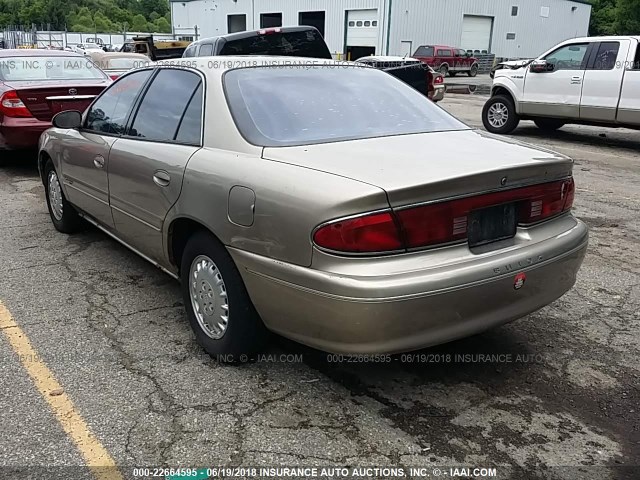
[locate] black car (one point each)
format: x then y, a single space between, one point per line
283 41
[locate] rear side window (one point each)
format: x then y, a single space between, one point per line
636 62
109 112
443 53
292 106
606 56
190 51
424 52
306 43
161 110
190 128
206 50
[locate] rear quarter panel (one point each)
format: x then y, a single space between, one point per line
290 202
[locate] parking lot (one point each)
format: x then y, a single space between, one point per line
555 394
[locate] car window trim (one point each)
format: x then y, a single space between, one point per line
83 128
175 135
137 104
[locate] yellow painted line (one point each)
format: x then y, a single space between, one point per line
97 458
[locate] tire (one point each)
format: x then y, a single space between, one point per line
495 124
444 69
474 70
64 216
218 277
548 124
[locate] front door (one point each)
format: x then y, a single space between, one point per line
556 93
85 153
146 165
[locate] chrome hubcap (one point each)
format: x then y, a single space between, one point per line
209 297
55 195
498 115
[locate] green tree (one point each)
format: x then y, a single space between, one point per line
139 24
162 26
603 17
628 17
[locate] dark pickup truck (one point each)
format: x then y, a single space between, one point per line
306 41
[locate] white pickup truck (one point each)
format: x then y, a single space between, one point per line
592 81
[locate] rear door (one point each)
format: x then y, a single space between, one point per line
629 106
602 81
557 93
445 55
85 152
146 165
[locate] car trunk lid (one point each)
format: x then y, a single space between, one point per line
44 101
429 167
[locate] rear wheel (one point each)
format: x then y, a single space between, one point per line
444 69
499 115
474 71
548 124
64 217
218 306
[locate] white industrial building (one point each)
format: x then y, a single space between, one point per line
507 28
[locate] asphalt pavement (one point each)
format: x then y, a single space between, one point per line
554 395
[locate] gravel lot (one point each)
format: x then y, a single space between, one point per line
553 395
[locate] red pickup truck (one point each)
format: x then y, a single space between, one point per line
447 59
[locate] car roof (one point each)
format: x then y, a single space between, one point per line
216 66
603 38
36 52
252 33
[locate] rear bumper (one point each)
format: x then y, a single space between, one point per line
438 93
21 133
412 309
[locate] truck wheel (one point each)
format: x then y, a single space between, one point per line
548 124
218 306
444 69
474 70
499 115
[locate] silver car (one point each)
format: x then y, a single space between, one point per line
308 198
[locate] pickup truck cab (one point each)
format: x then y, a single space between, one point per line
447 60
591 81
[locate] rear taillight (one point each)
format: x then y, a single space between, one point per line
113 76
363 234
439 223
438 80
547 200
12 106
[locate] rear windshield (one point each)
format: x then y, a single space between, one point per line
48 68
287 106
424 52
307 43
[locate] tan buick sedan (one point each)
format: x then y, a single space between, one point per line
332 204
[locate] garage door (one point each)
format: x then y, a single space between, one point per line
476 33
362 28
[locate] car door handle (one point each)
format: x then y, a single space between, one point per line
576 79
161 178
99 161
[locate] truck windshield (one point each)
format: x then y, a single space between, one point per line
307 43
288 105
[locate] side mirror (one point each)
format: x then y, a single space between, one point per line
67 119
540 66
